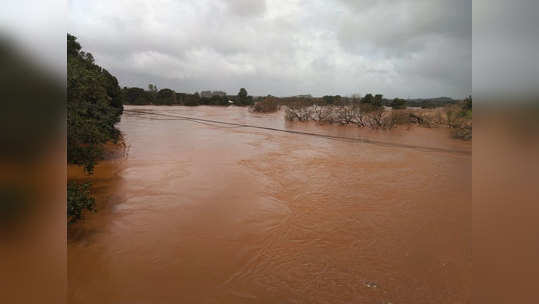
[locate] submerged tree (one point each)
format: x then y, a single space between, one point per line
371 103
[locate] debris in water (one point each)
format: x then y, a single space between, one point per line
371 284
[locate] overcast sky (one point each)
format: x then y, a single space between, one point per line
405 48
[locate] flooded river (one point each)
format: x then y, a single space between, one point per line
206 213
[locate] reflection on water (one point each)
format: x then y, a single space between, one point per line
200 213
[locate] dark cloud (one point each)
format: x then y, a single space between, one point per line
420 48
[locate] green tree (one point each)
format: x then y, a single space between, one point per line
398 103
243 98
152 92
242 93
328 99
368 99
378 100
371 103
165 97
136 96
94 106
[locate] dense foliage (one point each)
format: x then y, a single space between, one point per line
139 96
94 106
243 98
165 97
398 104
136 96
78 200
328 99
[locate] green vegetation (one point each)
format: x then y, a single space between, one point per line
165 97
328 99
94 106
398 104
152 96
243 98
430 103
79 199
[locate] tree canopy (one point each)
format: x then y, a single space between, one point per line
243 98
398 103
94 106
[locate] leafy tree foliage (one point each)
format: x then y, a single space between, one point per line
136 96
243 98
371 103
94 106
428 105
152 92
328 99
242 93
398 103
378 100
368 99
191 99
165 97
79 199
152 88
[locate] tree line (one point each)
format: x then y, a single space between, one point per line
369 102
153 96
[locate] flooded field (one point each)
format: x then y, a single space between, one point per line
206 213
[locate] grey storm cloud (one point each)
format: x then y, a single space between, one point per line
417 48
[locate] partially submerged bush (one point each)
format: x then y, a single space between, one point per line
464 133
300 110
79 199
267 105
323 113
369 115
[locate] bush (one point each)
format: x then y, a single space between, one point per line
398 104
267 105
79 200
464 133
300 110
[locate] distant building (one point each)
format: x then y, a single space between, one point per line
305 96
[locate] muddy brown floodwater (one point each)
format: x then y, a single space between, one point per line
201 213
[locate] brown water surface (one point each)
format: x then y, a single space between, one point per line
201 213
